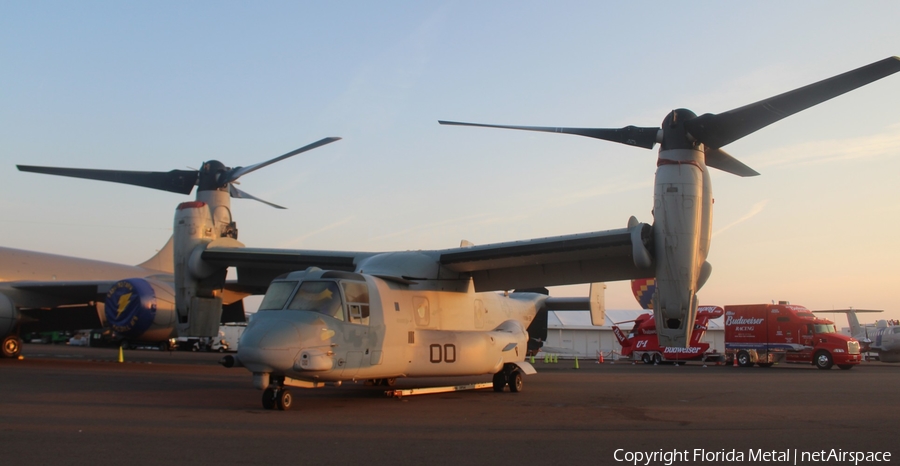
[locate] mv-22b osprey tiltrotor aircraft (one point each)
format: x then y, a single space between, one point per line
334 316
42 292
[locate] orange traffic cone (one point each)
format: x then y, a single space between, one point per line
735 364
600 358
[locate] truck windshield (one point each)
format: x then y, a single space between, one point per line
824 328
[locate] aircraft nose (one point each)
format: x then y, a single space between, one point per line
269 346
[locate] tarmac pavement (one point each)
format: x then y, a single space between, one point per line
78 406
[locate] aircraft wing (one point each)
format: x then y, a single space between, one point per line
257 267
58 305
561 260
66 305
60 293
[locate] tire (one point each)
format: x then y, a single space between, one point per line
268 398
845 367
12 347
499 381
389 382
284 400
645 358
516 381
657 358
744 359
823 360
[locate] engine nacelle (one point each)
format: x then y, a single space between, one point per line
198 285
141 309
9 317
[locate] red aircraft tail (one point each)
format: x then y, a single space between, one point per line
701 323
620 337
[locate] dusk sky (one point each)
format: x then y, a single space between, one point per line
156 86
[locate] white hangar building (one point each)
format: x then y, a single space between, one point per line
570 333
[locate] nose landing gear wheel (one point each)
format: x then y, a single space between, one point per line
284 399
268 398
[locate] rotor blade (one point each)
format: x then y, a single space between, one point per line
238 194
718 158
238 172
630 135
719 130
176 181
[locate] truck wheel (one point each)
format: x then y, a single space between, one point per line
645 358
657 358
823 360
744 360
845 367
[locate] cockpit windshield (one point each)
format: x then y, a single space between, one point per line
323 297
277 295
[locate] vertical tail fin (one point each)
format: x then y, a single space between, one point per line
620 337
163 261
856 330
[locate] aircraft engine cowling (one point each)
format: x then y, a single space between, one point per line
141 309
9 317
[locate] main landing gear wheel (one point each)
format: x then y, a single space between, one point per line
516 381
499 381
12 346
509 375
389 382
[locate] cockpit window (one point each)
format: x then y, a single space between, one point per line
277 295
357 294
322 297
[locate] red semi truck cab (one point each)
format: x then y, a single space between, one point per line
765 334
